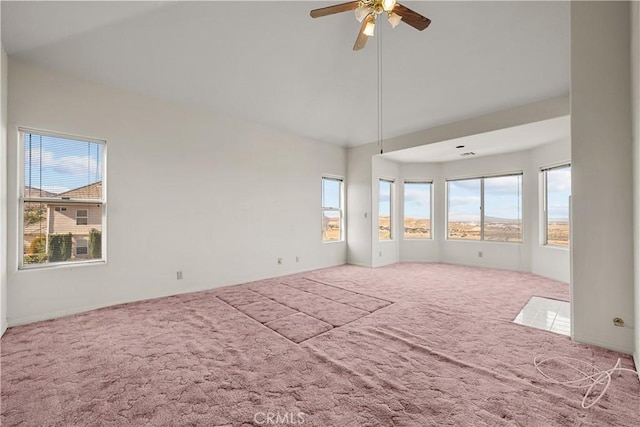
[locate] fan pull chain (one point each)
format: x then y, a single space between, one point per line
380 91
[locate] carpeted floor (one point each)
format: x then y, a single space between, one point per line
404 345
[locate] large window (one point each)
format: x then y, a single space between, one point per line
332 197
485 208
417 209
62 199
557 189
385 209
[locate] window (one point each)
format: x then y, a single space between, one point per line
503 208
82 217
385 209
463 209
332 224
485 208
417 209
62 199
82 247
557 190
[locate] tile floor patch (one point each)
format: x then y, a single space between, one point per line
548 314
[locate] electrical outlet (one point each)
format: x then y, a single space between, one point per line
297 259
279 261
179 275
480 254
380 253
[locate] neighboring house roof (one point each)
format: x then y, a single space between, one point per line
37 192
91 191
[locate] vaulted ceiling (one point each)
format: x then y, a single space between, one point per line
271 63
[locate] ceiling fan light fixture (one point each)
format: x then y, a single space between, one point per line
388 5
362 12
369 28
394 19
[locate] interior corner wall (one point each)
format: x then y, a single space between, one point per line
385 252
635 84
602 174
216 197
3 190
359 213
546 260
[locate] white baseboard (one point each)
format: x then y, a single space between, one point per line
359 264
636 361
609 346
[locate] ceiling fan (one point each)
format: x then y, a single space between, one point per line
368 10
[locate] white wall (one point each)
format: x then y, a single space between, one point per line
635 99
422 250
3 190
216 197
602 179
385 252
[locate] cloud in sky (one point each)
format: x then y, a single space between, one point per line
58 165
61 163
559 180
384 191
417 194
464 201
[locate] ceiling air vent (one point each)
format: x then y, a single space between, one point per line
468 154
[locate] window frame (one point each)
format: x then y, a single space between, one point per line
62 203
544 211
339 209
482 178
392 234
431 205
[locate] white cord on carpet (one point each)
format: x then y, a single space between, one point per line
585 379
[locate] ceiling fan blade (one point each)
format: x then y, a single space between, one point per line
361 41
412 18
337 8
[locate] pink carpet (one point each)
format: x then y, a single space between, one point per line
404 345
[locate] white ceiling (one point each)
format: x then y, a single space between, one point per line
271 63
507 140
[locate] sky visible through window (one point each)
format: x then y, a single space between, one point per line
384 198
464 200
57 165
558 192
417 200
330 193
502 198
